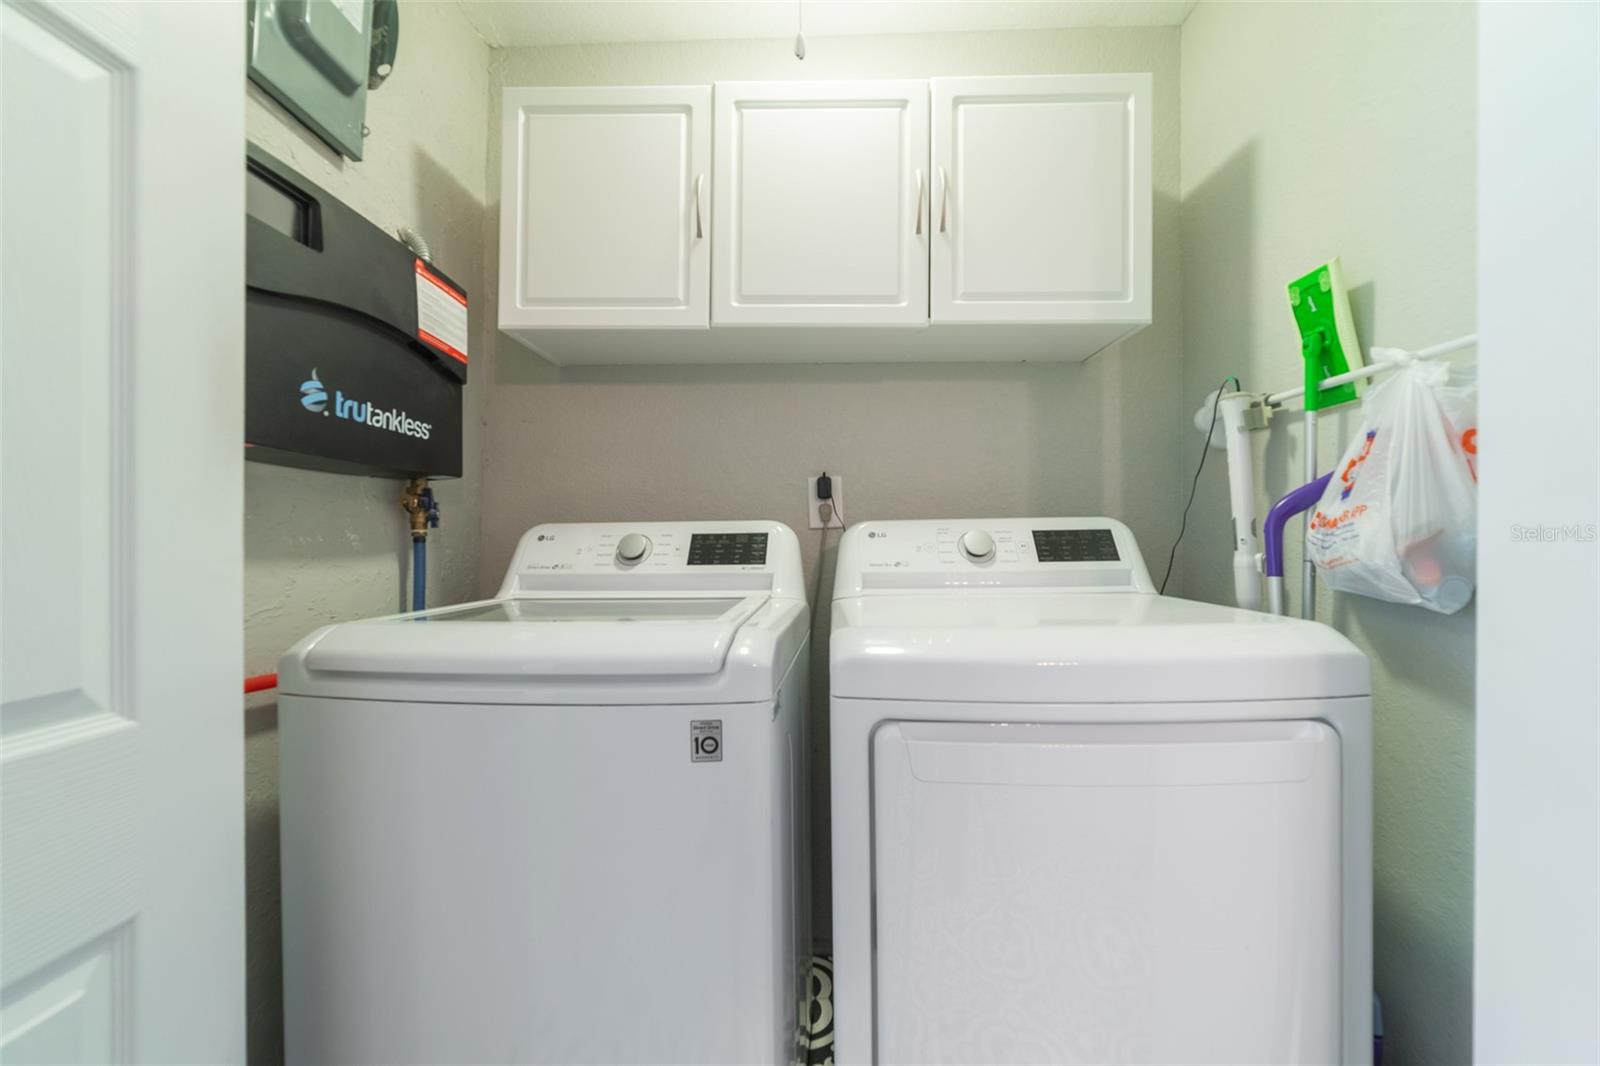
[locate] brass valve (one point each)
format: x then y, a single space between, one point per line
418 502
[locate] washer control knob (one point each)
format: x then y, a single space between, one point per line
977 545
633 548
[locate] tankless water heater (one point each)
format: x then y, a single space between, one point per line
355 347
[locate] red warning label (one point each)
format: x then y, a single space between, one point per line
441 314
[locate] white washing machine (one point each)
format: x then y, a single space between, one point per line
561 826
1078 822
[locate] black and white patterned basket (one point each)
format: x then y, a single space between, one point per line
819 1019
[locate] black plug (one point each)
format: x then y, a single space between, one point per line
824 487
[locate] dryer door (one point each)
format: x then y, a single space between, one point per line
1106 893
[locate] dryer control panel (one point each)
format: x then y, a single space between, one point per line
644 556
1056 553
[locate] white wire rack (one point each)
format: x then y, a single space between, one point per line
1308 578
1277 399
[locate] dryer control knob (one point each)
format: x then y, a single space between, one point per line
977 545
633 548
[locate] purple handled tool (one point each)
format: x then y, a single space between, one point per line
1301 499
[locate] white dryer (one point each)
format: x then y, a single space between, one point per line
561 826
1078 822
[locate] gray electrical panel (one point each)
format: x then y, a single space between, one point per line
312 57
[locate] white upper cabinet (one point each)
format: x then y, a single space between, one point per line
1041 200
789 221
821 203
605 212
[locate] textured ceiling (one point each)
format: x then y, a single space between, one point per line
520 23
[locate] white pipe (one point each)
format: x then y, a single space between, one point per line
1447 348
1241 497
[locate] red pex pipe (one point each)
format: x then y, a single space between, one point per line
260 683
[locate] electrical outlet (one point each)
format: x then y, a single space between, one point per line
814 505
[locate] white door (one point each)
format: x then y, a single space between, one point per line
821 203
1041 199
1536 939
121 754
605 207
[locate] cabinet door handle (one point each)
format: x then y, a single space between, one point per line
699 217
919 201
944 202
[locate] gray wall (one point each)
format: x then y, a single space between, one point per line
1312 130
611 444
323 548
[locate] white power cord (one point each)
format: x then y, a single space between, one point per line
825 512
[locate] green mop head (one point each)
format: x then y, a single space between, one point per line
1328 341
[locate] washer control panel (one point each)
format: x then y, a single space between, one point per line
1075 546
999 552
664 555
727 549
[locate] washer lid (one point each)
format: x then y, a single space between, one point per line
522 637
1050 647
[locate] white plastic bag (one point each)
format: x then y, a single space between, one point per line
1398 520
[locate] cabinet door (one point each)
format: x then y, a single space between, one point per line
604 211
821 203
1041 199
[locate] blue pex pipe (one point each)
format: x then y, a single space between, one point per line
419 574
